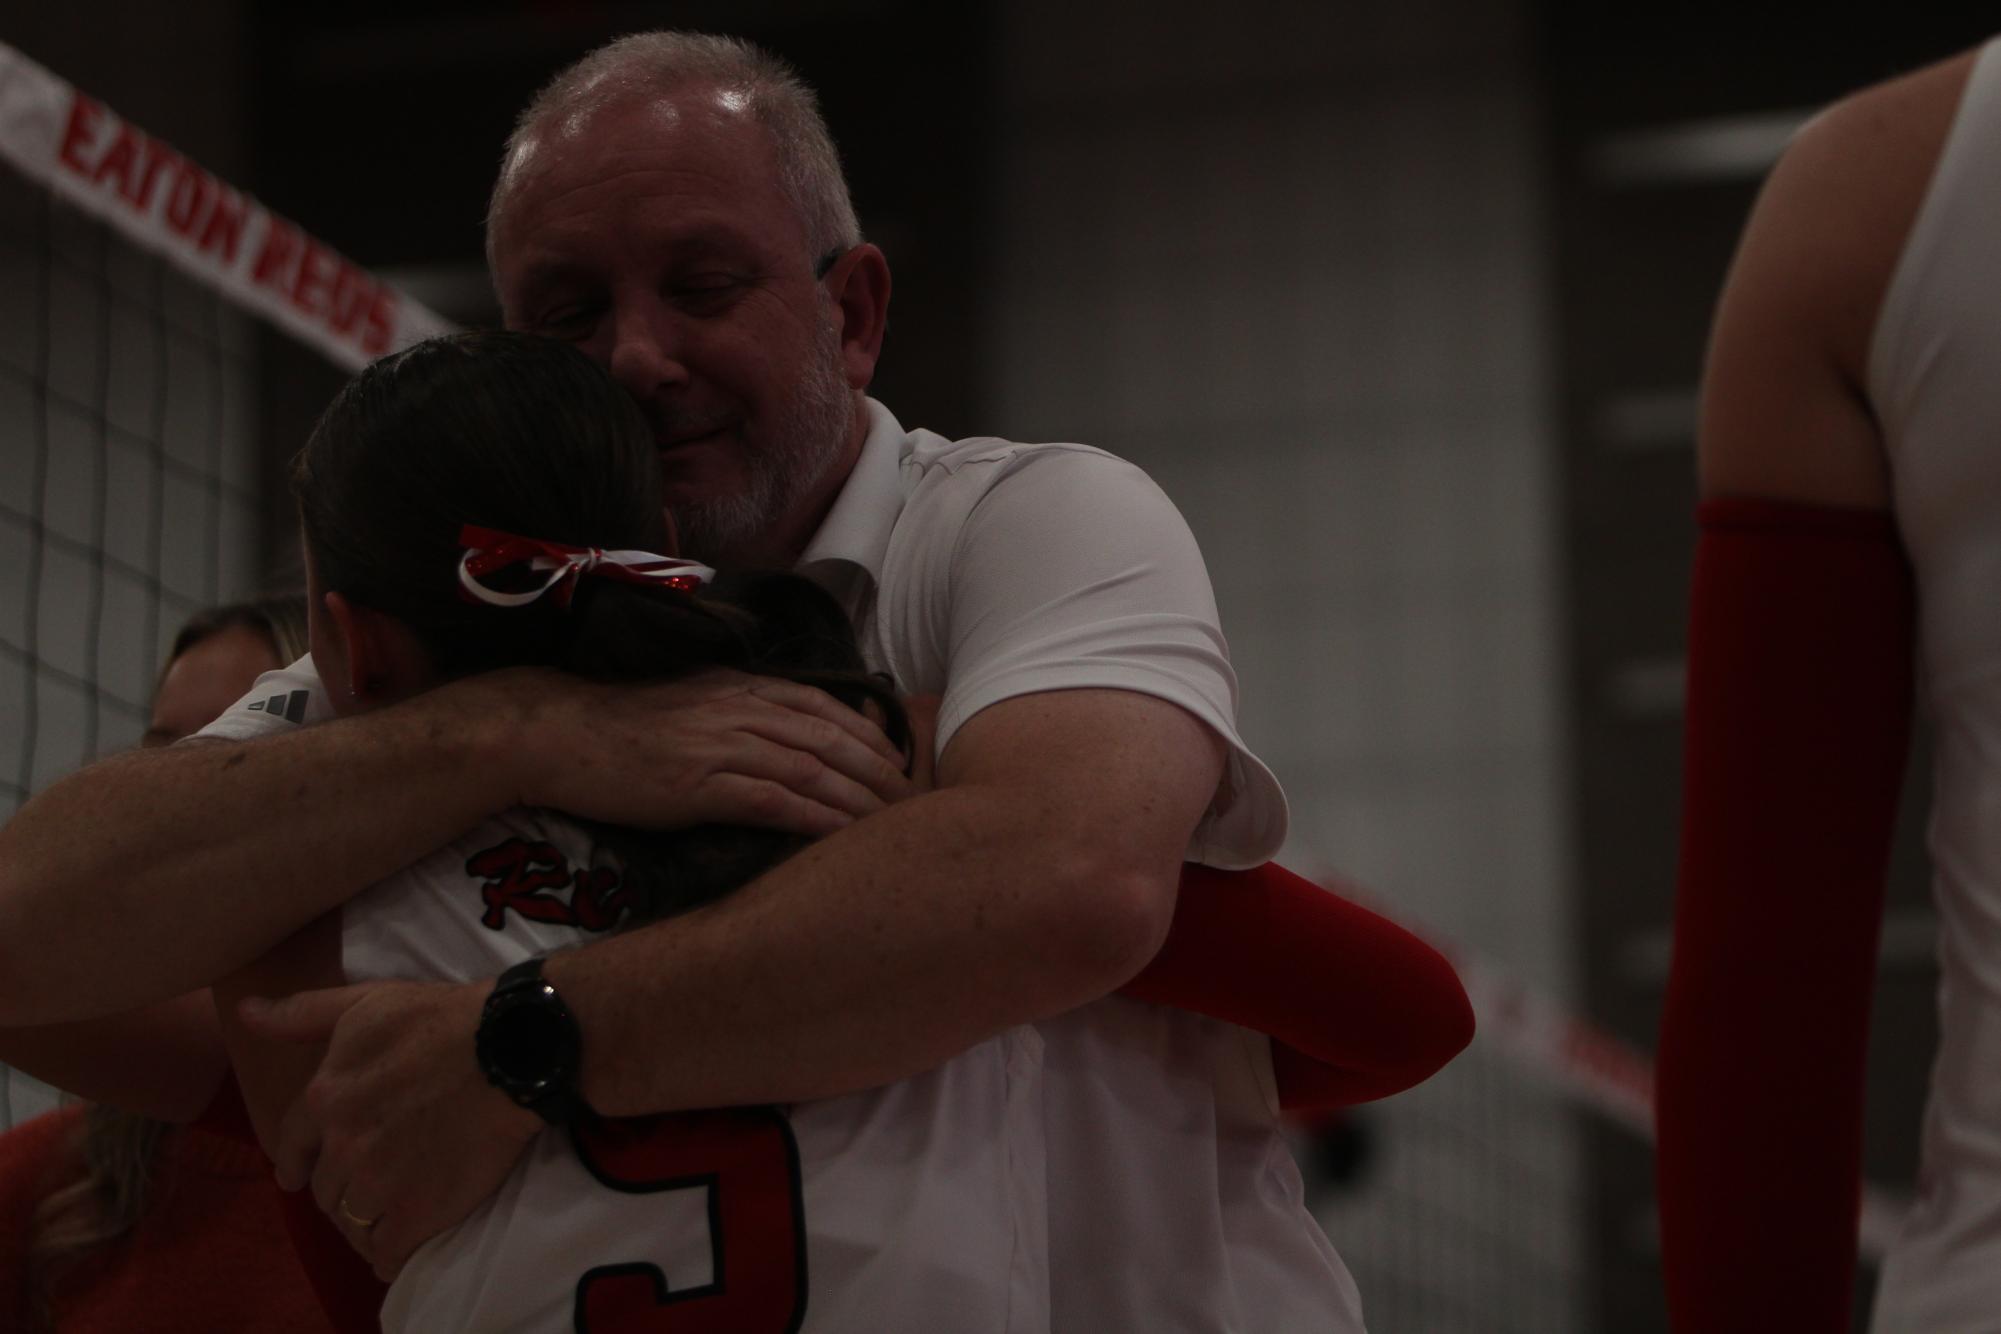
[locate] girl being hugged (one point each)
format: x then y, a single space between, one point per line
492 500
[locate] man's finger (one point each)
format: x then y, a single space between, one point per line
309 1016
812 777
835 747
297 1152
739 799
818 703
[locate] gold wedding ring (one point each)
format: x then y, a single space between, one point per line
363 1223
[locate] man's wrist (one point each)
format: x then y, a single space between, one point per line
528 1044
499 724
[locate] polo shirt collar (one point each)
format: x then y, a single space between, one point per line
855 532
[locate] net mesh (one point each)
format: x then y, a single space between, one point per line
128 490
1457 1207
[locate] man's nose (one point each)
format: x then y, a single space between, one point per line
647 351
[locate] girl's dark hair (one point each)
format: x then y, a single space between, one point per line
529 436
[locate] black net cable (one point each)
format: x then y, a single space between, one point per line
156 477
37 484
93 623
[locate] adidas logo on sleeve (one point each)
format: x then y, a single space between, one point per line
291 707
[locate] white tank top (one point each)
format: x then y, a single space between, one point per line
1935 384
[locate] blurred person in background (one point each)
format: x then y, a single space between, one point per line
119 1220
1849 552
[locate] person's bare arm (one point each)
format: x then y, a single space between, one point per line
158 871
1057 833
1039 876
1784 408
164 1061
1799 695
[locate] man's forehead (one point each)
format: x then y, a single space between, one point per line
619 159
691 120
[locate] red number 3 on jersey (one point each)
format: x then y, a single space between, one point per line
749 1163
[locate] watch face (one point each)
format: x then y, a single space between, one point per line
532 1044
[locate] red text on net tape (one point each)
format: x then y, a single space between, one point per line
166 203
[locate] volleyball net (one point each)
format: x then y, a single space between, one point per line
130 469
131 472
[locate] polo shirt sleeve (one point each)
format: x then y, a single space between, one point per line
1073 570
278 701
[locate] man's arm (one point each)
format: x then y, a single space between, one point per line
157 871
164 1061
1039 876
1798 706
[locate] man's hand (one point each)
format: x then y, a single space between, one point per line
720 747
399 1134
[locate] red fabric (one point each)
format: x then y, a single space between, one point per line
348 1291
1358 1007
226 1115
1799 705
207 1256
346 1287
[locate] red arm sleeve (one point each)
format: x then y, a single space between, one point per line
346 1287
1358 1007
1798 721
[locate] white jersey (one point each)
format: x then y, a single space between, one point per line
916 1207
1933 387
1163 1194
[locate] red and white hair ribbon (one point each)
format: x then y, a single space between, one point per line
488 549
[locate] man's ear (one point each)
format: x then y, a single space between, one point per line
383 660
859 284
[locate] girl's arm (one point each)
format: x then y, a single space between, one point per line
1358 1008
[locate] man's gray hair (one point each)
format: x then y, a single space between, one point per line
658 63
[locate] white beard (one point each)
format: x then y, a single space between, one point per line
724 531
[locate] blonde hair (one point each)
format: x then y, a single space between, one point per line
102 1202
117 1149
660 63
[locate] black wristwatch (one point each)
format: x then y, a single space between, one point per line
528 1045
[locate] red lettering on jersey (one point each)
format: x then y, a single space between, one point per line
517 873
520 874
748 1160
281 245
78 132
223 232
118 162
599 900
